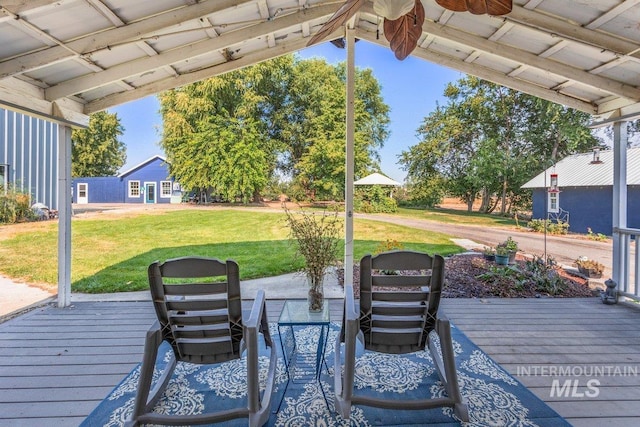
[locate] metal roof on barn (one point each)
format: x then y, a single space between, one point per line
142 164
580 170
64 59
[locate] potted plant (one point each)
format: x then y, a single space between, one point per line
511 247
489 253
317 237
502 255
590 268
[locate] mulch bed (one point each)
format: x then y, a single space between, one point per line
461 281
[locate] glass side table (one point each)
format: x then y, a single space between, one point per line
303 347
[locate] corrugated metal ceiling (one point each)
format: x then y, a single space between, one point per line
73 57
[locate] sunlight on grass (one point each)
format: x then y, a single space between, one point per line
112 255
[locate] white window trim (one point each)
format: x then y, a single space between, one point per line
131 196
550 196
168 195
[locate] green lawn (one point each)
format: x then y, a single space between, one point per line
453 216
111 255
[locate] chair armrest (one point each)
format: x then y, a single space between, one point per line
350 312
257 322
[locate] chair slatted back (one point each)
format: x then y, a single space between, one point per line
198 304
399 299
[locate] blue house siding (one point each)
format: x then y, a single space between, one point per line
29 149
102 189
152 172
148 177
590 207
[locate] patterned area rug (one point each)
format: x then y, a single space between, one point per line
494 397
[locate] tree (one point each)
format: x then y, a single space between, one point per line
314 129
236 132
489 140
222 133
96 150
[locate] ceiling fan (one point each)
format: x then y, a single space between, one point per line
403 18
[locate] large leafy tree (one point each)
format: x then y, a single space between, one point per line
315 132
222 133
488 140
285 117
96 150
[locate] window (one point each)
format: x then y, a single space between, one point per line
165 189
134 188
554 201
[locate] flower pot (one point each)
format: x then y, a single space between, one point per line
489 257
315 296
502 259
512 257
591 273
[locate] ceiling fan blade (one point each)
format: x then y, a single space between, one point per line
478 7
499 7
453 5
404 32
342 15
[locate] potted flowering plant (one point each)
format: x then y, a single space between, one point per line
589 267
316 236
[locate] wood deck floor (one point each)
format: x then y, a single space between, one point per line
56 365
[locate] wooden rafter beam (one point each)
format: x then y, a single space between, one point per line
488 74
565 29
522 56
102 40
184 79
146 64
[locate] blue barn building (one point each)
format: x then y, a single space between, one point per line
29 156
148 182
585 184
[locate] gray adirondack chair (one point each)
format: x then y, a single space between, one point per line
401 320
198 304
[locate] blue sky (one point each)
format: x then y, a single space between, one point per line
411 88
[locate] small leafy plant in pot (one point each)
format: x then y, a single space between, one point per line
317 237
502 255
511 247
489 253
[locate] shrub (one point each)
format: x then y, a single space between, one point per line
374 199
598 237
538 225
15 206
545 275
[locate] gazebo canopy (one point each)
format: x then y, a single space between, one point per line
377 179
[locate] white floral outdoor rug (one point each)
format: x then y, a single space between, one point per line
494 397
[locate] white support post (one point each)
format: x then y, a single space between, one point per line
619 202
64 215
349 160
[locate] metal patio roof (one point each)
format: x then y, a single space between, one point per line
64 59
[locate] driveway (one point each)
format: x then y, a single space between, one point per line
564 249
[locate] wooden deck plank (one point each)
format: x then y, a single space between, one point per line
57 364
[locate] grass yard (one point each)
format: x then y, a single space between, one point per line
111 254
455 216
